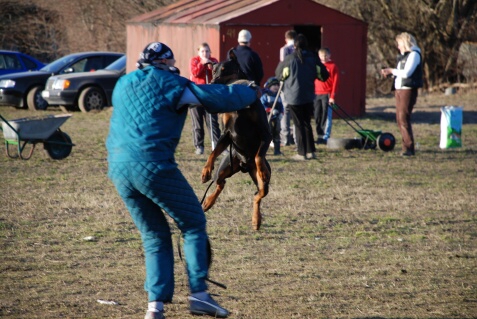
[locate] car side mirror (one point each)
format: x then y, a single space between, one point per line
69 70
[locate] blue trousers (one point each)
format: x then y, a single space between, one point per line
150 189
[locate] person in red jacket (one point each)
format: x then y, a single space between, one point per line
201 73
325 93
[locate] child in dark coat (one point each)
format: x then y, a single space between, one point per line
270 94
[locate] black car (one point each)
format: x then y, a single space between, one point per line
24 88
86 90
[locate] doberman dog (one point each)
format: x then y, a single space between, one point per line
247 132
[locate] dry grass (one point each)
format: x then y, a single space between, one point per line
354 234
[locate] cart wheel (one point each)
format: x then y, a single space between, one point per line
386 142
58 146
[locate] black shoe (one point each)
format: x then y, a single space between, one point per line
208 306
321 141
407 153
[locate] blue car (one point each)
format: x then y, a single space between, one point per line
23 89
13 62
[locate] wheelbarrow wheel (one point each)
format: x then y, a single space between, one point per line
58 146
386 142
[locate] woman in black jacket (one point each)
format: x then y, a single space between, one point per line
299 71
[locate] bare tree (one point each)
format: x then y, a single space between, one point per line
49 29
30 28
440 26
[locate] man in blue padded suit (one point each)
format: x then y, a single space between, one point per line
150 109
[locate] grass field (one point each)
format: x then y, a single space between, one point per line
354 234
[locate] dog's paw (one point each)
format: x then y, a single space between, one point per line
206 174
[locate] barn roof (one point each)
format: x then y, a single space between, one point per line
207 11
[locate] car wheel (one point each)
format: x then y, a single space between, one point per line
91 99
35 101
58 146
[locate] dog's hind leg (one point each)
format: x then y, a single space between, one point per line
224 171
265 137
263 169
262 191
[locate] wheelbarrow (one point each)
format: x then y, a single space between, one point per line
370 139
24 132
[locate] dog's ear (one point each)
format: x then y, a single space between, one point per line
231 55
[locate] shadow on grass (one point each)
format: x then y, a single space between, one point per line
418 117
407 318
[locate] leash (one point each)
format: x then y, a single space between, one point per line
209 260
209 248
231 166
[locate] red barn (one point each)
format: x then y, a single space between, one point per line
185 24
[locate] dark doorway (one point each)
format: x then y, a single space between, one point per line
312 34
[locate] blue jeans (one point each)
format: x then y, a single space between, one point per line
329 123
150 189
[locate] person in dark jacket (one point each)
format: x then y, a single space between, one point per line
249 60
299 71
274 108
150 109
287 129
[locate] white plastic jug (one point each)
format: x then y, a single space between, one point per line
451 127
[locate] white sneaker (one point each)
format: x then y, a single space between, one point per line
154 315
199 150
207 306
298 157
311 155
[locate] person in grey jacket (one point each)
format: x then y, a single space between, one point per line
298 72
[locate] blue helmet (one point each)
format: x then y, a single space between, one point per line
154 51
271 81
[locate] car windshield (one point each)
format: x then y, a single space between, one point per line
58 65
117 65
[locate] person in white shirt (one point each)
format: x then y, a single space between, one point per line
407 80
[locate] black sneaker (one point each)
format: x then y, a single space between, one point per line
407 153
207 306
321 141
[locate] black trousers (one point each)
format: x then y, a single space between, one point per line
199 115
321 113
301 115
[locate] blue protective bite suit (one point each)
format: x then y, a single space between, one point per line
145 129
